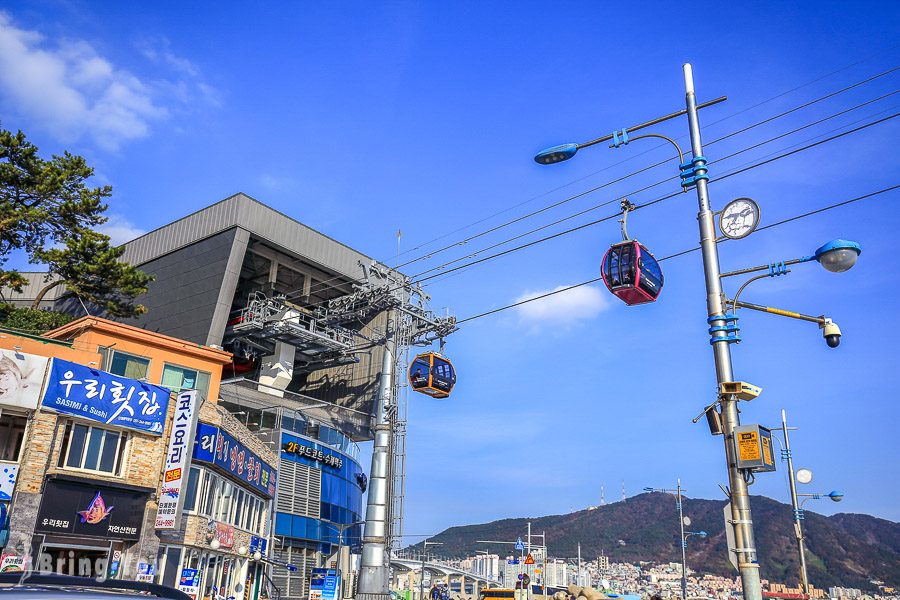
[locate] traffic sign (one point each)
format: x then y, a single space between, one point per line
520 545
529 560
729 536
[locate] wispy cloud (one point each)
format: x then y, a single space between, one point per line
563 308
71 89
75 93
120 230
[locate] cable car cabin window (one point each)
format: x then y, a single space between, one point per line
626 265
651 275
443 377
418 373
612 269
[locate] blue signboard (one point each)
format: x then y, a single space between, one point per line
100 396
216 446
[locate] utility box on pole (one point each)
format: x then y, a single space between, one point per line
753 448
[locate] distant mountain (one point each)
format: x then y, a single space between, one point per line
844 549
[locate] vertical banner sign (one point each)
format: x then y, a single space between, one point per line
178 460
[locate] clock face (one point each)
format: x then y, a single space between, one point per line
739 218
803 476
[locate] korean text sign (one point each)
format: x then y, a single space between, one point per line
213 445
178 457
100 396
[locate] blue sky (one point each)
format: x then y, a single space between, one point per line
364 118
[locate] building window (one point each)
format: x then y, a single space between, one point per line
12 431
92 448
190 500
211 495
129 365
179 378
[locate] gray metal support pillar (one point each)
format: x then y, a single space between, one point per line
798 528
374 567
740 501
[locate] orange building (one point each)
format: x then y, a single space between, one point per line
47 453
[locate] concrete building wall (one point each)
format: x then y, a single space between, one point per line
184 298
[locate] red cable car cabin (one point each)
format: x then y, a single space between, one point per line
432 374
631 273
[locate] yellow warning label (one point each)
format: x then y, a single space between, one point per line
767 451
748 446
529 560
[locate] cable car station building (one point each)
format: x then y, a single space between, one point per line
242 276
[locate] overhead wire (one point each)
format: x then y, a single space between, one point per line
648 187
710 143
324 284
655 201
713 123
687 251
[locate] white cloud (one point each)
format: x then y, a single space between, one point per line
563 308
120 230
73 92
71 89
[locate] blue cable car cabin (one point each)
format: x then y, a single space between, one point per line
432 374
631 273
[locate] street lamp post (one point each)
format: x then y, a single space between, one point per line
343 563
684 534
835 496
422 574
835 256
694 173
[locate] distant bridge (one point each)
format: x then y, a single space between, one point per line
448 572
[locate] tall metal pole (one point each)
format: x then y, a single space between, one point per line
798 530
740 501
578 574
374 565
683 544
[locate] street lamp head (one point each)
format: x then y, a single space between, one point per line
838 256
836 496
702 534
556 154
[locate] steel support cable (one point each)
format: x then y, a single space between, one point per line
652 202
565 200
688 251
716 162
757 105
418 277
802 106
323 285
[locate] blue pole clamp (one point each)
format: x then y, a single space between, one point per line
693 171
779 268
730 329
785 454
798 514
623 141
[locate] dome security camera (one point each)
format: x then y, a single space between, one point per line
832 333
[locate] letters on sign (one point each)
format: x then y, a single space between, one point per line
100 396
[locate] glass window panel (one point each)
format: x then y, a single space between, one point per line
128 365
170 574
190 500
76 445
12 431
92 456
201 383
110 448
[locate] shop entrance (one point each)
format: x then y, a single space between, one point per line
83 561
